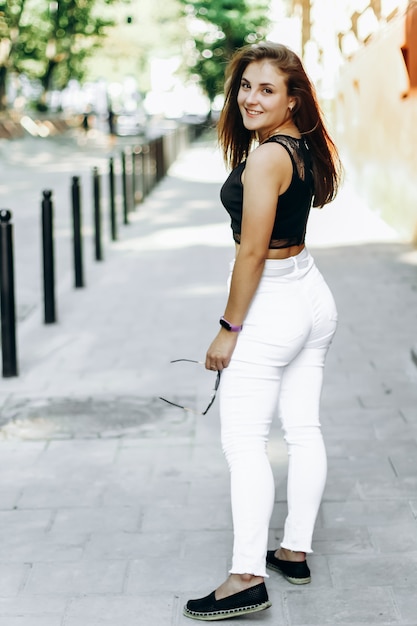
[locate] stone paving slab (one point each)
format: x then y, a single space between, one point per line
383 570
33 620
88 577
149 608
33 607
359 606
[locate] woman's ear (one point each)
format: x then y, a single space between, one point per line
294 104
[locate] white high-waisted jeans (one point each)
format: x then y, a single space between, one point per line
277 364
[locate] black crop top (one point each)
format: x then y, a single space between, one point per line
294 204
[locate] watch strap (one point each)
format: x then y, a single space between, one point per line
230 327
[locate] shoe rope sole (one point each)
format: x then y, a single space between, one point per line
291 579
216 615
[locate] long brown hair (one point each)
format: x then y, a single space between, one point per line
236 140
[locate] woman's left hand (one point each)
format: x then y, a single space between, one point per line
221 350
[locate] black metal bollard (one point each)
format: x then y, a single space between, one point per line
146 161
137 157
112 191
152 164
8 317
48 257
77 232
125 190
133 178
97 215
159 158
142 172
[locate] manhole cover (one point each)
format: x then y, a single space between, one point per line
57 418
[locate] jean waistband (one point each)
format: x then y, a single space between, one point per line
281 267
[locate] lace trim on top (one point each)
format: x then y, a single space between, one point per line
276 244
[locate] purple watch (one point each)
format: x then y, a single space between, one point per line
230 327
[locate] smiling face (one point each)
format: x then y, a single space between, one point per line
263 99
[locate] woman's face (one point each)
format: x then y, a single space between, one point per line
263 99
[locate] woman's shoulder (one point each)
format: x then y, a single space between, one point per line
268 155
297 149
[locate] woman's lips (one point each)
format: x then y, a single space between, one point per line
253 113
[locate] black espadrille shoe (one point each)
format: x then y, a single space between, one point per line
297 573
248 601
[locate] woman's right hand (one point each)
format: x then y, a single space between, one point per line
221 350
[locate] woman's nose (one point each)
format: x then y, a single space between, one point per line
251 97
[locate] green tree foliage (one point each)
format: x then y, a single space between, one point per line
49 40
11 13
145 30
218 28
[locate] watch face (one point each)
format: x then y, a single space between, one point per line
225 324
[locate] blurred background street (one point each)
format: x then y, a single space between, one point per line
114 506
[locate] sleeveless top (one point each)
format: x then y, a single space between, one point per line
293 206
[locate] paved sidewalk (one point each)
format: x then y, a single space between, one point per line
114 507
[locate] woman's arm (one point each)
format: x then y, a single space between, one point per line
267 174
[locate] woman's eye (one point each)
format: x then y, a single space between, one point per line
245 86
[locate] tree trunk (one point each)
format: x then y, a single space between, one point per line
3 92
46 81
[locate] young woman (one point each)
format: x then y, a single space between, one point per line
279 319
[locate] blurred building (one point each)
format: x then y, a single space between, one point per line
362 55
376 111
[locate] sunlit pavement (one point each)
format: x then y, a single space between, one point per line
114 505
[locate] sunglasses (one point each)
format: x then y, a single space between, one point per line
213 396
